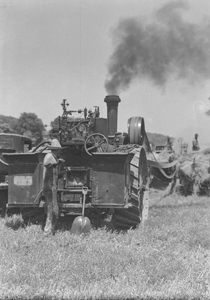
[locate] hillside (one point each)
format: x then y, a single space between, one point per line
156 139
7 119
7 126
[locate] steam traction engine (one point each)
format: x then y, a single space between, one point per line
111 167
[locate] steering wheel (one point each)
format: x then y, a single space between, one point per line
96 141
39 145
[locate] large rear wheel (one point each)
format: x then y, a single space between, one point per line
132 216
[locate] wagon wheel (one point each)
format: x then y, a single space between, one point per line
39 145
142 179
97 142
138 185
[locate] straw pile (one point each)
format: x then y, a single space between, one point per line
165 157
193 172
162 157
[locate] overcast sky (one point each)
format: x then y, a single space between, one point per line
154 54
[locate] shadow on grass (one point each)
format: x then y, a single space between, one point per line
178 205
65 224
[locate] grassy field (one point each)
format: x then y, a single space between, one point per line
167 258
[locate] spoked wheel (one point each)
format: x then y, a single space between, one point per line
143 176
96 143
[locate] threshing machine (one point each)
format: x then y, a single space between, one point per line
110 166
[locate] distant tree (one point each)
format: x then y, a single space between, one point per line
7 124
55 123
31 126
54 132
156 139
6 128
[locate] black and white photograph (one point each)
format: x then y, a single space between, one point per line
105 149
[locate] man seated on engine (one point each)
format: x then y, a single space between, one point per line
195 144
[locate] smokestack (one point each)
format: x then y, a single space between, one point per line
112 112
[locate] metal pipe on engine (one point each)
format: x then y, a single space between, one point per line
112 112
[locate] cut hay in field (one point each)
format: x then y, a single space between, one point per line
193 171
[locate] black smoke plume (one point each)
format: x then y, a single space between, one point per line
168 47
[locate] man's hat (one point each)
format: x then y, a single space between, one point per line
55 145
